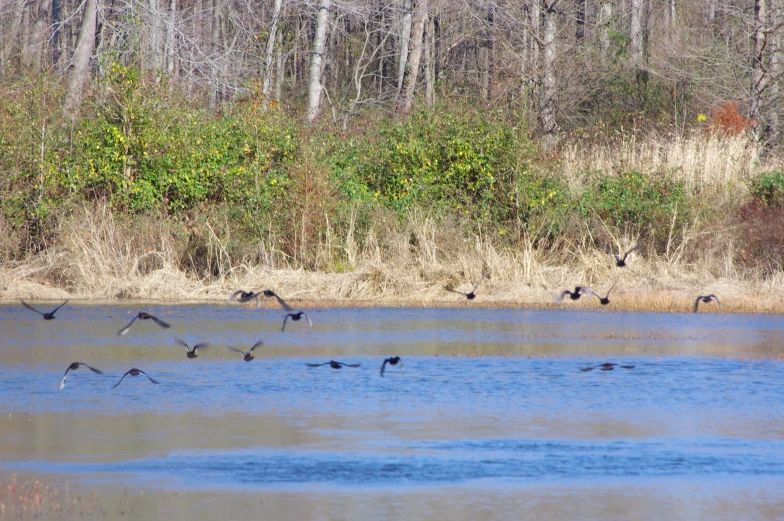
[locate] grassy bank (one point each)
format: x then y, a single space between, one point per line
148 196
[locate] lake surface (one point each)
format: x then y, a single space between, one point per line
492 419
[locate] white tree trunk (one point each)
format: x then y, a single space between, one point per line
315 82
81 57
605 21
406 100
635 32
156 36
547 104
171 55
758 79
405 37
268 52
776 17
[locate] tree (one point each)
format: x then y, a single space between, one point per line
81 58
406 99
315 85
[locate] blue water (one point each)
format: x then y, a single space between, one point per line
488 396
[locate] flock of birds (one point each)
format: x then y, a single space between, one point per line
248 296
192 352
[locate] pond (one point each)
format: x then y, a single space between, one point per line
492 418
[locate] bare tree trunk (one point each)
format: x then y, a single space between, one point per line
55 31
315 83
547 109
406 100
487 62
405 37
605 21
33 53
712 6
429 65
280 68
11 38
81 58
535 24
265 87
156 36
758 60
775 69
635 32
579 30
170 38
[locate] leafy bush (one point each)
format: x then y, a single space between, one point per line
645 203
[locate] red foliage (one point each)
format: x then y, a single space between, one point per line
726 120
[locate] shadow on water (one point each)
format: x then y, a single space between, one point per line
492 415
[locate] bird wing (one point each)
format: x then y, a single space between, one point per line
697 303
62 384
125 330
628 366
480 281
317 365
202 345
58 307
187 348
160 322
583 290
560 297
350 365
148 376
243 353
589 368
283 329
310 322
383 365
455 291
234 295
31 308
611 288
636 246
257 344
282 302
123 378
717 300
93 369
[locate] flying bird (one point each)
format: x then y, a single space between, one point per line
249 355
143 316
470 295
283 304
295 316
334 365
134 372
191 352
393 360
602 300
706 299
244 296
574 295
47 316
621 261
607 366
73 367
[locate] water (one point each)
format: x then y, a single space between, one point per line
492 418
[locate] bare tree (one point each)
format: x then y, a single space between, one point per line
80 72
547 104
315 85
758 77
406 99
270 49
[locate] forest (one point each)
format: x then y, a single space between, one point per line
395 147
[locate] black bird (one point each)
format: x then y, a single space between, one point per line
134 372
470 295
192 352
621 261
73 367
706 299
334 365
295 316
574 295
393 360
602 300
47 316
283 304
247 356
244 296
143 316
607 366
